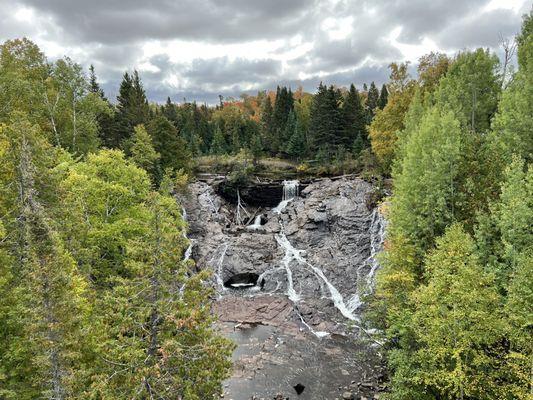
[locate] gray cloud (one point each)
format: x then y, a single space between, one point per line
112 35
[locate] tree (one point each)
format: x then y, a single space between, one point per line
169 348
513 123
219 145
142 150
169 144
383 97
354 117
471 88
297 145
326 124
94 86
132 110
283 106
44 343
455 320
387 123
372 101
266 121
425 190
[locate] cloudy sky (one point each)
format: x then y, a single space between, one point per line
198 49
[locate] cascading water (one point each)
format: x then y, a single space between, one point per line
377 235
256 225
290 191
188 251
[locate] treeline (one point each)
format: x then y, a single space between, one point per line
455 295
329 125
96 300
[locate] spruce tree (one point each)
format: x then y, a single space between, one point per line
169 144
94 87
372 102
122 125
354 118
327 124
219 145
267 123
383 97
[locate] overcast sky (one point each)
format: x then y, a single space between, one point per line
199 49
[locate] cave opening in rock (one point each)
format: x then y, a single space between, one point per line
242 280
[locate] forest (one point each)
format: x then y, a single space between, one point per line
97 300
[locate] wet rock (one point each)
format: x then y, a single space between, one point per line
348 396
334 236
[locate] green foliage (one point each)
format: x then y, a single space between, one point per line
425 190
157 322
173 150
142 151
455 321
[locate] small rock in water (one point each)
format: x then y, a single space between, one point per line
347 396
299 388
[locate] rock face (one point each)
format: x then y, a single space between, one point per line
312 260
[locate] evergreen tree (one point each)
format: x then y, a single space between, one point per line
219 145
297 146
169 111
169 144
94 87
132 110
267 122
122 124
326 125
282 108
383 97
354 117
372 102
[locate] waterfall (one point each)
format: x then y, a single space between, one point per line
377 235
290 191
188 252
222 254
256 225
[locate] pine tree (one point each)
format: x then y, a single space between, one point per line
169 111
94 87
122 125
383 97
